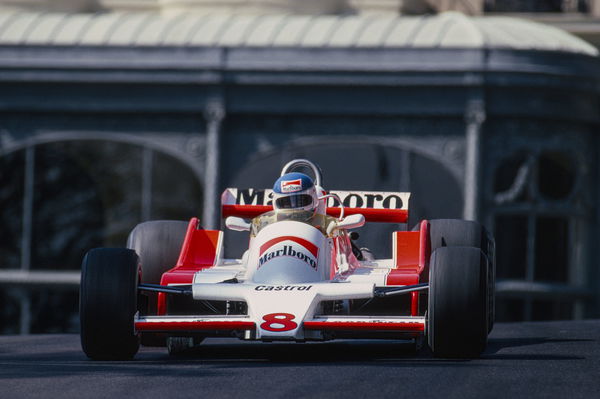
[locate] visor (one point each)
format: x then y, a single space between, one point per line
294 201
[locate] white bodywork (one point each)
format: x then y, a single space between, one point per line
289 269
286 271
285 275
293 264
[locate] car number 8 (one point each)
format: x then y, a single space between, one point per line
279 322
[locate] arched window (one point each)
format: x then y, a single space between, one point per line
540 220
59 199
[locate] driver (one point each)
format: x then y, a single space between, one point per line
295 197
295 191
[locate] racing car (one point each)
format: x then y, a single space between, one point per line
302 278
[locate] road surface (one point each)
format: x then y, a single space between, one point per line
523 360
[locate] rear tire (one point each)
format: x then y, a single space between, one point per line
466 233
108 303
458 233
158 244
457 309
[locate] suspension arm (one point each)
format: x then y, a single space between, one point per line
381 292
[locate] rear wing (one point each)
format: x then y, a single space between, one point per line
376 206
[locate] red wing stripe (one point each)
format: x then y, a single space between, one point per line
306 244
373 214
245 211
194 325
363 325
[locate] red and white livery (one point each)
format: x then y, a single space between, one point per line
302 278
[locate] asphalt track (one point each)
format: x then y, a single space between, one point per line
532 360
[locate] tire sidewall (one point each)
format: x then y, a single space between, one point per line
457 310
108 303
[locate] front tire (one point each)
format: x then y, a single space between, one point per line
108 303
457 309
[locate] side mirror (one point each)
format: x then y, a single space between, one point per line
349 222
237 224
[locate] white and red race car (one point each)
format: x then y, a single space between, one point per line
301 279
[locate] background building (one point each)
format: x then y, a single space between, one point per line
115 112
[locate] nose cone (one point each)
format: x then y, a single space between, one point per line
286 270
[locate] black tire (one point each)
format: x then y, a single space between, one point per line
457 309
158 244
108 303
466 233
458 233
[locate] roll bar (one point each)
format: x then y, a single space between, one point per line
297 163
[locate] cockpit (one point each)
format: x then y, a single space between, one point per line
297 215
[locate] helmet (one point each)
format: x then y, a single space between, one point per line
295 191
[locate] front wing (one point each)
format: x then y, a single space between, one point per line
282 312
207 324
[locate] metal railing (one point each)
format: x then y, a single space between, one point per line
541 6
47 278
